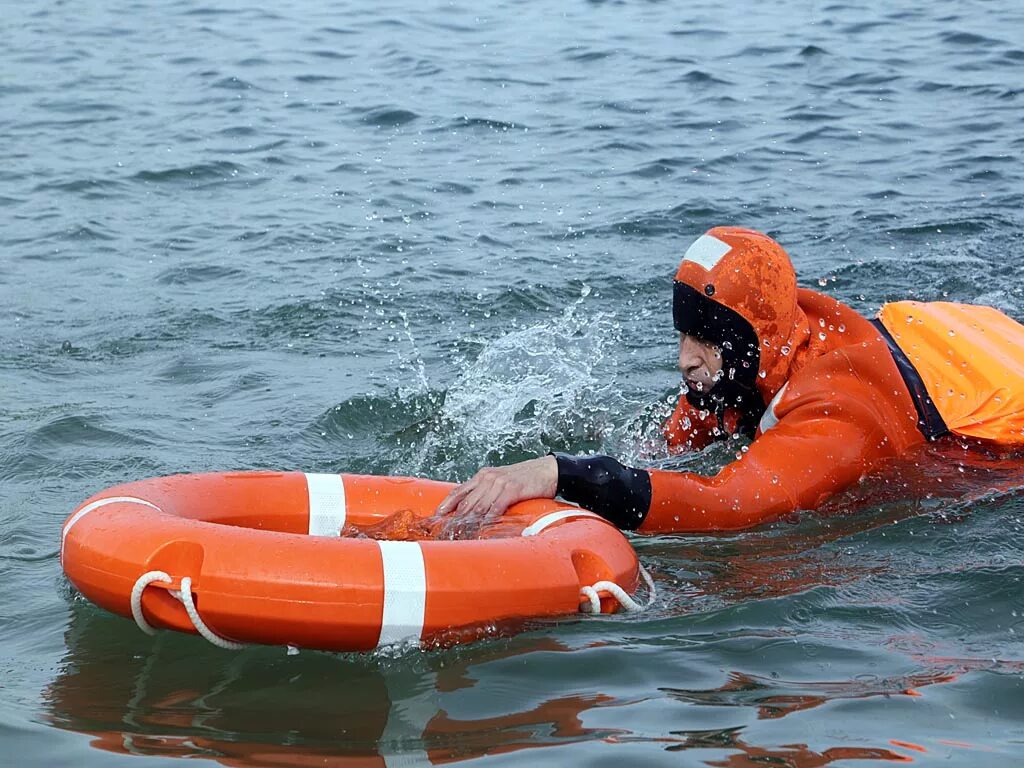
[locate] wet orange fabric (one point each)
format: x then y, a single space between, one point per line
756 279
836 404
691 429
971 360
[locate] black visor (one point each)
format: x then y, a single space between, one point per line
695 314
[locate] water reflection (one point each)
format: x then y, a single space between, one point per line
175 697
773 698
790 755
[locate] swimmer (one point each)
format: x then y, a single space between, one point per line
827 396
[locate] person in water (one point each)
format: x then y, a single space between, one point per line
827 395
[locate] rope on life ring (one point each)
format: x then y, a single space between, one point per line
593 604
184 595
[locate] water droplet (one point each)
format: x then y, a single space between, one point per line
784 350
821 336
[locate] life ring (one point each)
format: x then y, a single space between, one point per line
258 557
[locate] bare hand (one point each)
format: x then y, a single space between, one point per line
491 491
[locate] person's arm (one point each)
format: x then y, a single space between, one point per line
813 452
491 491
817 448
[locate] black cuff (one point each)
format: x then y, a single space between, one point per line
619 494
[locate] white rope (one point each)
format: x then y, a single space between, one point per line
632 606
140 585
185 596
200 625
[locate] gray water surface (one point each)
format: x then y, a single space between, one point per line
410 238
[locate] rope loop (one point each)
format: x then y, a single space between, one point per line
184 595
593 604
140 585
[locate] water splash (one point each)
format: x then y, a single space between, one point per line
538 388
416 362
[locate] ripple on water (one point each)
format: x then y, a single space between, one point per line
585 57
665 166
313 78
961 226
813 51
701 79
71 448
452 188
188 274
486 123
969 39
330 54
232 83
388 117
83 431
89 188
221 170
773 697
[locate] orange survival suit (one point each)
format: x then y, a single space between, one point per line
827 394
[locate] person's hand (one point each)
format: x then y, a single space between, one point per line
491 491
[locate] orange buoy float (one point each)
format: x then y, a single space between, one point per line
285 559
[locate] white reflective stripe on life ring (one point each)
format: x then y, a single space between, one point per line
541 523
405 592
96 505
326 504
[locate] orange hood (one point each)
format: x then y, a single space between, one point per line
737 288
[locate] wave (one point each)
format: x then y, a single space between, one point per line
388 117
222 170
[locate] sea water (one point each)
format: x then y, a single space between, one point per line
415 237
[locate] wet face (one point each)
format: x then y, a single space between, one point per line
699 362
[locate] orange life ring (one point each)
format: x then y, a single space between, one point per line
258 557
